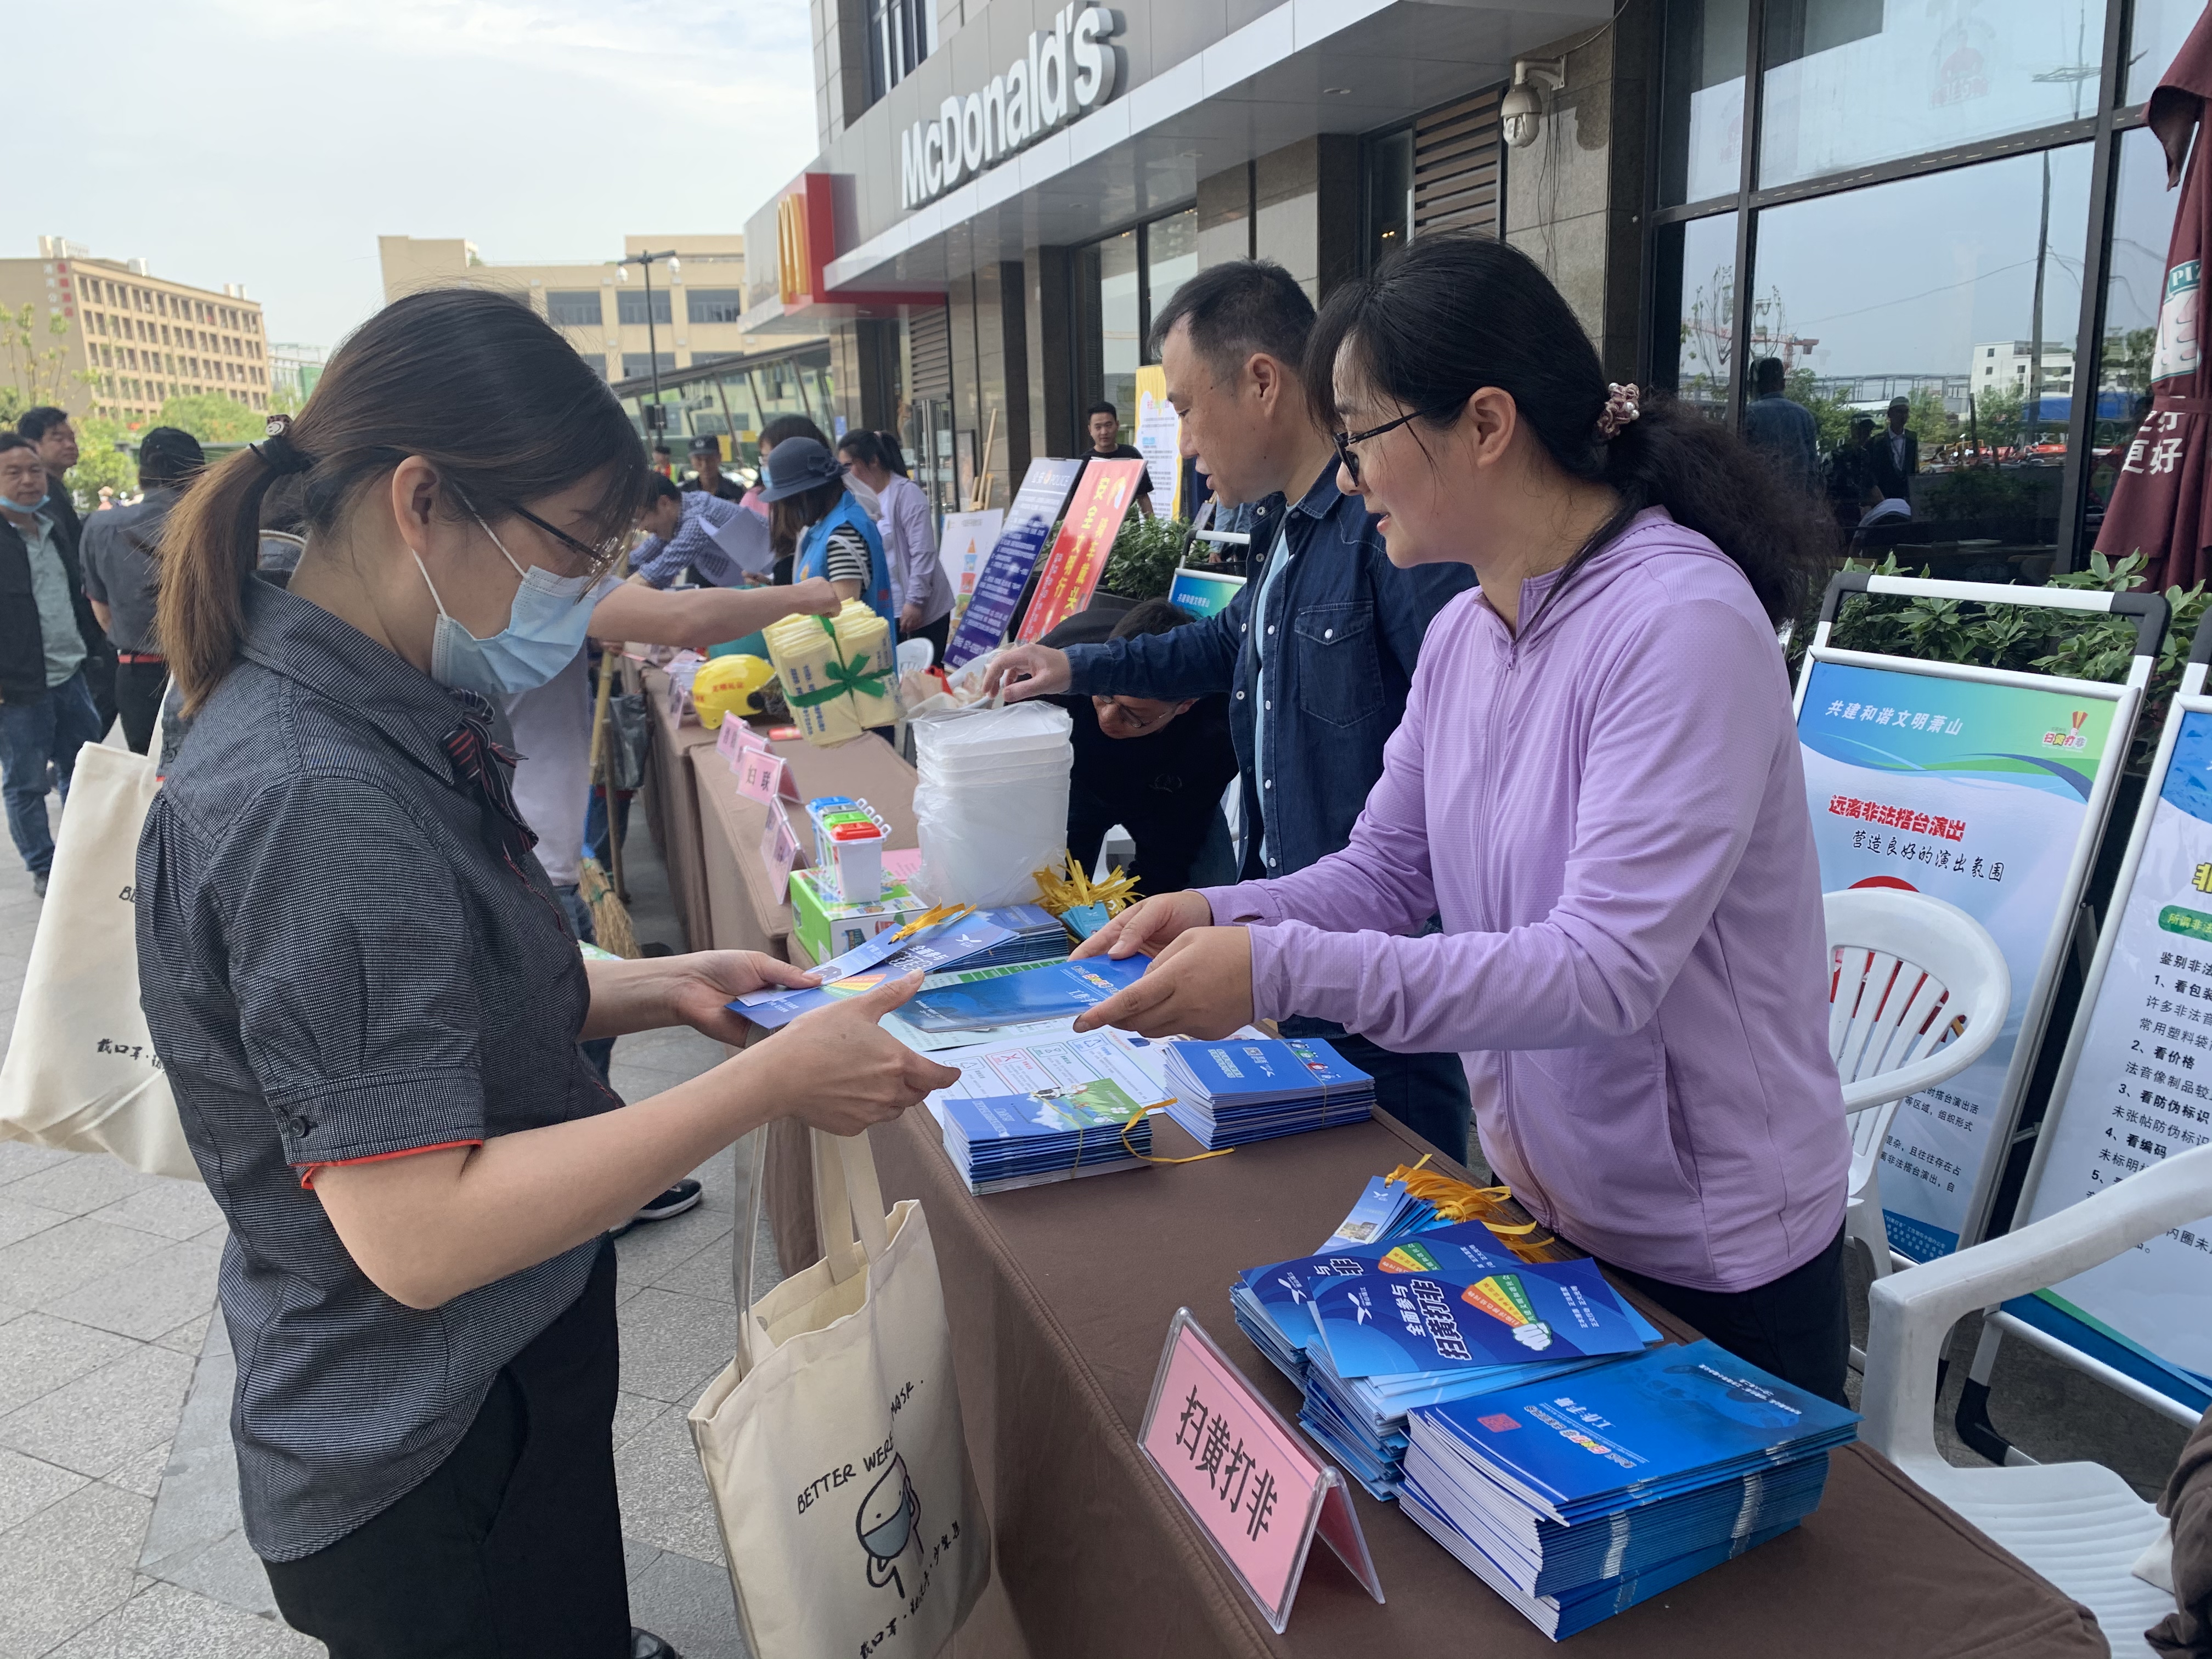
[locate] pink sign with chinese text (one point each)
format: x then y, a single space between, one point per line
738 740
1246 1478
762 777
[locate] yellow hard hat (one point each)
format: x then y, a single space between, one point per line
725 685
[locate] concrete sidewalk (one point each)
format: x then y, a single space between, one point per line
119 1501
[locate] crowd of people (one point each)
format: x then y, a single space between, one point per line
1489 849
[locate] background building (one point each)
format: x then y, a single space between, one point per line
128 338
1880 195
695 308
294 369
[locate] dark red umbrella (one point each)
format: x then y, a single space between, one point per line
2161 504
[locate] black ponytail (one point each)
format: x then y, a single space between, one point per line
1455 312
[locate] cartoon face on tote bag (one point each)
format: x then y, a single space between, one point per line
888 1515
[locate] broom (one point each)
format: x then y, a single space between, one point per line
609 919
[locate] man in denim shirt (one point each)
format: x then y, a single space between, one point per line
1316 651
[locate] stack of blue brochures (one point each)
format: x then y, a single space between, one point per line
1246 1089
1361 1421
1002 1141
1385 1210
1579 1496
1033 934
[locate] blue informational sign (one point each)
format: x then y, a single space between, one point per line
2135 1089
1979 794
1202 592
999 589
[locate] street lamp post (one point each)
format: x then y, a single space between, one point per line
646 262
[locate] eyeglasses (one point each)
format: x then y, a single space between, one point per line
594 558
1343 440
1142 723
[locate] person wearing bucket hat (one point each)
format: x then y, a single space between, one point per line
804 486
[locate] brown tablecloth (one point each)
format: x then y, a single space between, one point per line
671 811
1059 1297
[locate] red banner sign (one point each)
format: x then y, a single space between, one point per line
1078 558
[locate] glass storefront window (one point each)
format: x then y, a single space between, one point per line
1110 325
1170 260
1701 150
1926 290
1389 194
1697 275
2135 282
1849 82
2156 35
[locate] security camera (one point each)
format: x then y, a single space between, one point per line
1521 113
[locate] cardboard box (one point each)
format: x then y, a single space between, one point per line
828 928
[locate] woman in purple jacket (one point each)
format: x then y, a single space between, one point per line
1597 788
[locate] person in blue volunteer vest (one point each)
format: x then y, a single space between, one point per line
804 488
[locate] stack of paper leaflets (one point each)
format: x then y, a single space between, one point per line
1026 1112
1247 1088
1031 934
1385 1210
1580 1496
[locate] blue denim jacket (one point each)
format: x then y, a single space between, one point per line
1343 630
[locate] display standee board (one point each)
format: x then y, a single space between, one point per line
1988 788
2135 1087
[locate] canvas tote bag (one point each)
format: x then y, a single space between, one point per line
833 1444
80 1075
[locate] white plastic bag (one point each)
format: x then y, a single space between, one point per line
990 806
80 1075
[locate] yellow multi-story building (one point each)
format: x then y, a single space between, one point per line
131 338
693 308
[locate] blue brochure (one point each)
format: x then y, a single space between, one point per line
1421 1317
1674 1415
1050 991
1253 1071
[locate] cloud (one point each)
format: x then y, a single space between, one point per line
271 142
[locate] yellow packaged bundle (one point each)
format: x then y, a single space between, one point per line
836 671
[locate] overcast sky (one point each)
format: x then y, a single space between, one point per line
271 142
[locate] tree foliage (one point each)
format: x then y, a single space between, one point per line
213 418
100 464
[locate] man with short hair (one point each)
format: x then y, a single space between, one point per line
1103 422
52 435
1783 431
1895 452
46 712
706 465
121 576
1316 652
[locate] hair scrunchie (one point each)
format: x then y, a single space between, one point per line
1622 405
277 452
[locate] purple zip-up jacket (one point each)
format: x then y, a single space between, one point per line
1608 814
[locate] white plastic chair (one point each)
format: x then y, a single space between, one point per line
1917 993
2078 1525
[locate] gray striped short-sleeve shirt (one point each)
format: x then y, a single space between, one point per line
345 952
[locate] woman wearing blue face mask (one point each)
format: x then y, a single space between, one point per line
368 1005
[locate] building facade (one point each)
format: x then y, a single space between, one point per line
691 317
1895 201
127 339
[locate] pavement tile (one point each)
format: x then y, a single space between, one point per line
652 1248
19 1220
98 1422
27 1486
18 1157
149 1297
226 1570
83 1184
68 1565
50 1264
40 1353
163 1622
189 1337
174 1209
672 1344
664 1494
706 1273
141 1472
633 1412
688 1604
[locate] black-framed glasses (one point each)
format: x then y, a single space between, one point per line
594 558
1343 440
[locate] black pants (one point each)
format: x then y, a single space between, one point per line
512 1549
1796 1328
1427 1093
139 688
